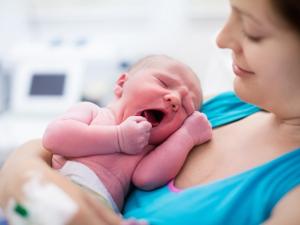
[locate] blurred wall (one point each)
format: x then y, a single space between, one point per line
185 29
105 36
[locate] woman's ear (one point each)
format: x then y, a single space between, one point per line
118 90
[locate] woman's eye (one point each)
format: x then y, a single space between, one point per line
252 38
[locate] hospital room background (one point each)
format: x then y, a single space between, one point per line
54 53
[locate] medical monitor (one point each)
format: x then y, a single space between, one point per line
46 87
47 84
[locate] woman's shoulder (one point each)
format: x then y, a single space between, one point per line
225 108
286 210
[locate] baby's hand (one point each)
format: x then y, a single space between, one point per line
198 127
133 134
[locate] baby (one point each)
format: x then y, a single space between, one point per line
143 136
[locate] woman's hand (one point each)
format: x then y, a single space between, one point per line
93 212
32 158
27 158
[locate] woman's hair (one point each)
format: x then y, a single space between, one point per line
289 10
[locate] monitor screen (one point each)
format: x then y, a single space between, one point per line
47 84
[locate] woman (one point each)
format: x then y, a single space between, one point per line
250 172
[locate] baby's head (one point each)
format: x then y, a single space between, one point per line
163 90
176 67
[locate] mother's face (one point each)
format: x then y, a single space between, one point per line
266 56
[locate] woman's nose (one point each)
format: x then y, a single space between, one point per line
229 36
173 100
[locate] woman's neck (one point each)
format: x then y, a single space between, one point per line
287 128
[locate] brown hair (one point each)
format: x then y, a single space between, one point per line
289 10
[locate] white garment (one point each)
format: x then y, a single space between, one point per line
83 175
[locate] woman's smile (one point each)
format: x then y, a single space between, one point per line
241 72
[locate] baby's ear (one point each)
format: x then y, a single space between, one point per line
118 90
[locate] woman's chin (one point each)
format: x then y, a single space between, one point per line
241 91
248 93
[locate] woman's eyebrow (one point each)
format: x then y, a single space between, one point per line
249 15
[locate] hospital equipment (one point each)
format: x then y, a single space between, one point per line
4 82
46 78
46 86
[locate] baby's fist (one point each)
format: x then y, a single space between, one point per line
133 134
198 127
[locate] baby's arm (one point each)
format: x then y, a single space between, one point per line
165 161
74 134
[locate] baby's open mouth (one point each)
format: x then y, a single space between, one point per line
153 116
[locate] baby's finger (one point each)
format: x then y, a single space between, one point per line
137 118
196 114
205 120
145 125
189 106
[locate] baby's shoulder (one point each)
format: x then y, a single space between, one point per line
86 105
103 116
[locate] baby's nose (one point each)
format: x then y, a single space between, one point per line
173 100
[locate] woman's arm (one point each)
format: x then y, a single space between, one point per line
287 210
33 158
28 157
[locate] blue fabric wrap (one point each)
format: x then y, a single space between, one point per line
246 198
